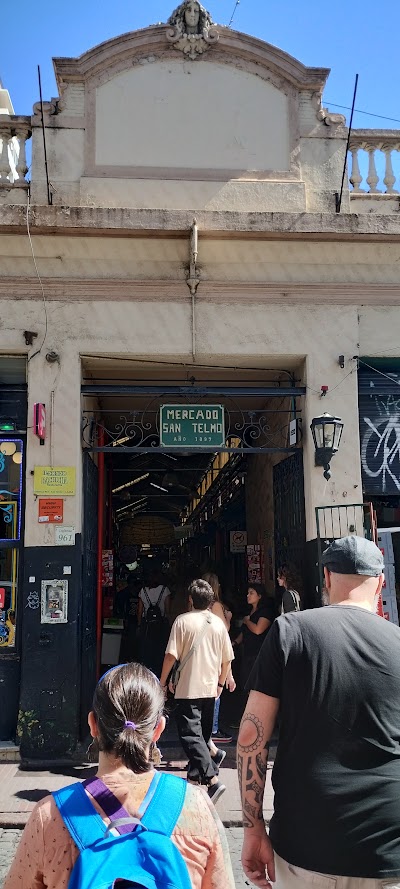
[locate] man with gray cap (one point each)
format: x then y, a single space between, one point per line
334 675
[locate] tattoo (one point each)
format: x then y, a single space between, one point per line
250 810
261 765
258 792
240 770
258 733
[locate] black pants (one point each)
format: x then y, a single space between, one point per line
194 719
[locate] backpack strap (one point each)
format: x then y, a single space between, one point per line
107 801
166 804
160 596
147 597
111 805
79 815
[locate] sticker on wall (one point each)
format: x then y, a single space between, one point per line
51 510
54 602
56 481
65 536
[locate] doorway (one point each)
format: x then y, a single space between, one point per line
179 505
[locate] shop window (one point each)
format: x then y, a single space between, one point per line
11 457
8 596
11 461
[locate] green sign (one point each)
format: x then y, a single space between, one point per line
192 425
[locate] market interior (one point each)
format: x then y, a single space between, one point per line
187 506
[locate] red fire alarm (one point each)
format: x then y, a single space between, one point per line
39 421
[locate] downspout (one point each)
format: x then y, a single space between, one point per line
100 537
193 280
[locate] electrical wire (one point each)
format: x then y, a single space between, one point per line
318 391
380 372
40 282
358 111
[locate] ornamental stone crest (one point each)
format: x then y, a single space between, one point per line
192 30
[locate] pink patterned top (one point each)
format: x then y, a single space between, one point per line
46 853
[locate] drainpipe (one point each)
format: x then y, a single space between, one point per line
193 280
100 537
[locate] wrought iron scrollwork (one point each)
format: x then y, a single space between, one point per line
248 429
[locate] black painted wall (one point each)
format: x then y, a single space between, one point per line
48 722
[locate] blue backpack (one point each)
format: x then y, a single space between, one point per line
143 855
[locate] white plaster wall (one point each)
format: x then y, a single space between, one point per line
65 159
63 443
379 331
322 163
225 333
220 260
241 196
191 115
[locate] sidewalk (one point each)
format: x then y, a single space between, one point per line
20 790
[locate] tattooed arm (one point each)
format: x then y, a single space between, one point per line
252 756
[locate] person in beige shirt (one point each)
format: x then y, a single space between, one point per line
200 642
126 721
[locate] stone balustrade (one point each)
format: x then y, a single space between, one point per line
375 162
15 130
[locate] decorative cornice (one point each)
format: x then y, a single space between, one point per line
152 42
115 290
99 222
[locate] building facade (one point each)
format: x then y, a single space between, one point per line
185 249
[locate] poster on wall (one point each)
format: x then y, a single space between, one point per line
107 568
254 564
54 601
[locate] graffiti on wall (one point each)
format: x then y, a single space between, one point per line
380 443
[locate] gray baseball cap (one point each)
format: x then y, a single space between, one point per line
353 555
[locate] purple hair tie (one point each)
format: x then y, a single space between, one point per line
128 724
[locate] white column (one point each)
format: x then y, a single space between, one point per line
22 167
355 177
372 177
63 439
389 178
4 158
344 486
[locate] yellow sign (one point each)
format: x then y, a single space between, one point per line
57 481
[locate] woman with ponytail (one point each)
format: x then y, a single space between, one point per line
126 722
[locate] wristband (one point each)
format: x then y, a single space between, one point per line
220 685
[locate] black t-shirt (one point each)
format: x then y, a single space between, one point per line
251 642
336 777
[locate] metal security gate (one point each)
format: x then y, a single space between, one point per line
379 412
342 520
89 578
289 512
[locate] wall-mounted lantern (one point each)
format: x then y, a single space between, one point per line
327 433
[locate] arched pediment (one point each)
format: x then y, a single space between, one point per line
233 48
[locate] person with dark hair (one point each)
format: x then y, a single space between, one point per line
289 582
199 642
255 627
126 721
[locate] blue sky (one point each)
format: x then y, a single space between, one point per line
348 37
